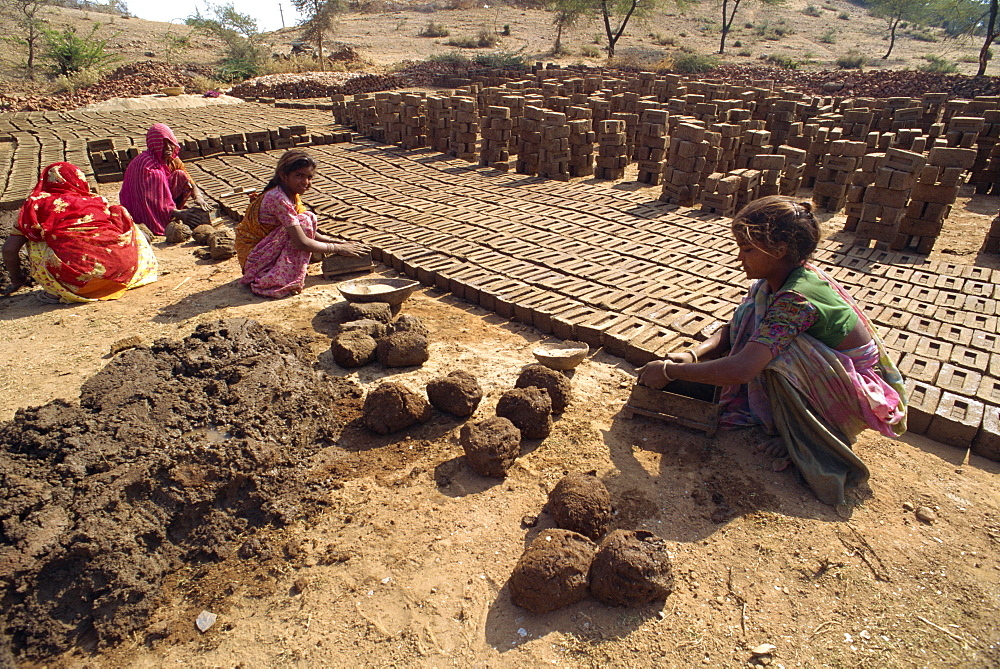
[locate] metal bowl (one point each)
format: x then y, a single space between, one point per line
392 291
172 90
563 355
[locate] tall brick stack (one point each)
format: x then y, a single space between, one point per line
862 177
529 142
729 145
516 105
496 138
651 145
830 189
438 122
553 154
791 173
884 201
390 112
755 142
819 144
932 197
581 139
770 167
682 174
463 141
414 117
612 150
986 169
631 127
991 244
718 194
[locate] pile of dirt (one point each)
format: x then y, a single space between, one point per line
128 81
174 452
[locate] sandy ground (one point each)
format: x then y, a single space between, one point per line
160 102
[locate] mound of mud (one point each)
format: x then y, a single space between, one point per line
540 376
631 567
173 452
552 572
491 446
581 503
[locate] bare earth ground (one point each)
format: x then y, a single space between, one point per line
408 566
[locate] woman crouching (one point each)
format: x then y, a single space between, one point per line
798 357
277 236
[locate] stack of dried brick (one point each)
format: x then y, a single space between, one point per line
529 141
755 142
581 140
389 106
438 122
820 138
651 145
340 109
718 193
612 151
791 174
496 138
932 197
885 200
463 141
365 115
553 154
830 189
992 242
986 169
414 121
682 174
729 145
770 167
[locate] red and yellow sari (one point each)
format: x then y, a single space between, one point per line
81 248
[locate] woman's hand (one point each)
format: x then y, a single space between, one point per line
654 374
352 249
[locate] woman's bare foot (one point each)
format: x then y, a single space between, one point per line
776 449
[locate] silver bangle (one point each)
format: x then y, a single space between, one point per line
694 354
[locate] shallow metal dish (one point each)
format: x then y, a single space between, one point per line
562 355
392 291
172 90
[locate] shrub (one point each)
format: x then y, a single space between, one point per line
590 51
924 36
503 60
433 30
844 16
937 64
454 58
598 38
663 40
73 53
483 39
746 53
781 60
694 63
737 44
852 60
202 84
829 36
506 30
70 83
811 10
773 32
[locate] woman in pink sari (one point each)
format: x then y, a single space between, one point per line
799 356
156 186
277 236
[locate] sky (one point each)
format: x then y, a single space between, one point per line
175 11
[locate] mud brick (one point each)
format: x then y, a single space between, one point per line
985 341
617 337
934 193
985 306
982 322
970 358
922 403
593 328
901 341
506 300
923 294
691 323
885 197
643 347
919 368
958 380
543 309
956 334
666 314
956 420
987 441
564 322
934 349
924 326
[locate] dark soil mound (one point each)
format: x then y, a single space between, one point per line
407 323
353 348
552 573
581 503
459 393
631 567
530 409
392 407
376 311
540 376
174 452
403 349
491 446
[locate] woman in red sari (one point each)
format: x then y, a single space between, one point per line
80 248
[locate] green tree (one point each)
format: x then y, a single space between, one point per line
244 51
729 9
615 14
72 53
320 18
30 25
566 14
894 11
991 34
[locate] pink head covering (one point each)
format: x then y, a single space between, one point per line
156 136
146 191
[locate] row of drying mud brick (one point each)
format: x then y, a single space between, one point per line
103 143
695 146
640 302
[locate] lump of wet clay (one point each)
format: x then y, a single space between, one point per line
372 328
581 503
631 567
177 232
491 446
552 572
407 323
353 348
530 409
222 244
202 232
376 311
392 407
540 376
403 349
458 393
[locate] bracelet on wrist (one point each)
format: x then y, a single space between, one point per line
694 354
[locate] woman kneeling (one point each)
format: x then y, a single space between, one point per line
799 357
277 236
